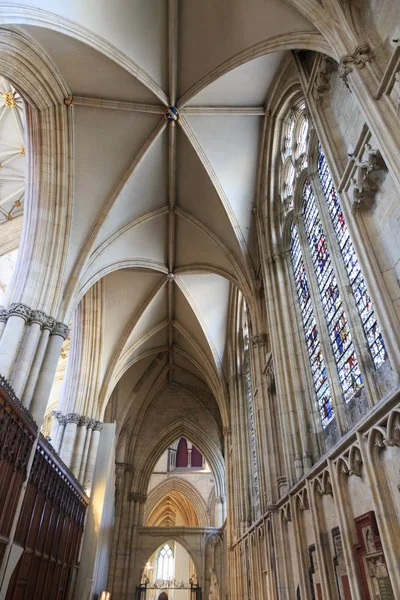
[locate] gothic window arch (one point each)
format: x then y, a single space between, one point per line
165 563
315 277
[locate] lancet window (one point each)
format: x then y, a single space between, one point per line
309 239
165 563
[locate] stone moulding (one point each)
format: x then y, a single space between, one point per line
358 59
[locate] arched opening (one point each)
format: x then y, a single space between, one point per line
182 453
169 572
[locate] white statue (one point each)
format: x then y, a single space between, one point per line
213 594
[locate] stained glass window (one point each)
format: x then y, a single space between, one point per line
338 327
165 563
356 278
318 368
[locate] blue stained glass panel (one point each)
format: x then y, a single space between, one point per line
364 305
336 320
318 369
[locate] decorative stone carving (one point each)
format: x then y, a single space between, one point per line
260 339
361 55
364 188
172 114
17 309
226 431
49 324
38 316
3 315
322 85
84 422
323 484
98 426
73 418
60 329
302 500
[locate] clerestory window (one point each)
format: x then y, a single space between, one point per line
314 269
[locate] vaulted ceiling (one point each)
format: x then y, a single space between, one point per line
163 204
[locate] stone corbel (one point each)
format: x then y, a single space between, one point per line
358 59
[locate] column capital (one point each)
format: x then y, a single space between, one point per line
17 309
38 316
72 418
60 329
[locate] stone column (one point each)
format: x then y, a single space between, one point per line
37 362
46 375
68 441
97 426
77 455
18 315
28 350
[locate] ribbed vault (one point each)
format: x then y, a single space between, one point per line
176 487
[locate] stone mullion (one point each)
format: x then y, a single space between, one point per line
376 285
284 376
349 304
347 534
324 338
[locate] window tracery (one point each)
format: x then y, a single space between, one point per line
165 563
313 241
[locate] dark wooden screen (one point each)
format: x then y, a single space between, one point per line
49 529
17 435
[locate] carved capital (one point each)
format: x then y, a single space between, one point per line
17 309
358 59
73 418
38 316
98 426
84 421
60 329
49 323
3 315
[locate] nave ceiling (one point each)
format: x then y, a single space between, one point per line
163 210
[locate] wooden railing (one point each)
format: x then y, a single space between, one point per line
51 520
18 432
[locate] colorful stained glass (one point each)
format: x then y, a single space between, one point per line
317 363
364 305
339 332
